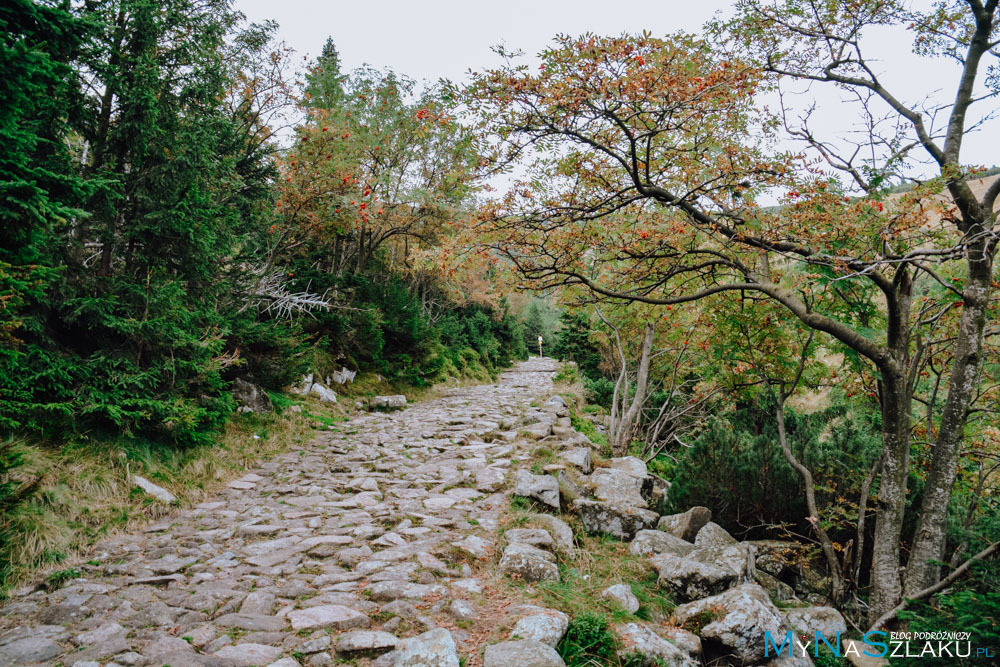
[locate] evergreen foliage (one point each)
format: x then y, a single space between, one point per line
137 226
736 467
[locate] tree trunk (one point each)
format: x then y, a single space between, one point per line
625 428
829 552
885 581
929 540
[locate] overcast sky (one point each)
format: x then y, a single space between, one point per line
429 39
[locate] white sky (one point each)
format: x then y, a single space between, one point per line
429 39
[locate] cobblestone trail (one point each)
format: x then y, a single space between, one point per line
356 547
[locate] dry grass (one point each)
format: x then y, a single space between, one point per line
84 493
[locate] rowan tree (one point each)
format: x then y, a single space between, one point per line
642 163
387 169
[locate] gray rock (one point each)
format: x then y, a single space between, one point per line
557 406
522 653
713 535
320 641
622 521
165 645
630 464
737 557
562 534
434 648
251 622
107 639
526 562
394 402
618 487
285 662
29 650
536 431
334 616
687 524
157 492
462 610
343 376
543 488
777 589
365 643
683 639
690 579
740 617
579 457
384 591
259 603
536 537
106 634
251 396
247 655
490 479
546 625
638 638
473 545
622 596
651 542
808 620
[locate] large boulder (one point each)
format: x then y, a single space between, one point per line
687 524
690 579
528 563
737 621
652 542
251 397
394 402
776 588
776 556
618 487
521 653
737 557
562 534
544 625
621 521
622 596
639 639
434 648
809 620
536 537
713 535
630 464
579 457
685 640
543 488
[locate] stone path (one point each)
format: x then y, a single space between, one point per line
364 545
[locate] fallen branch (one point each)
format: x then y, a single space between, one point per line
931 590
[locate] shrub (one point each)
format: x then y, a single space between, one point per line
587 641
736 467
